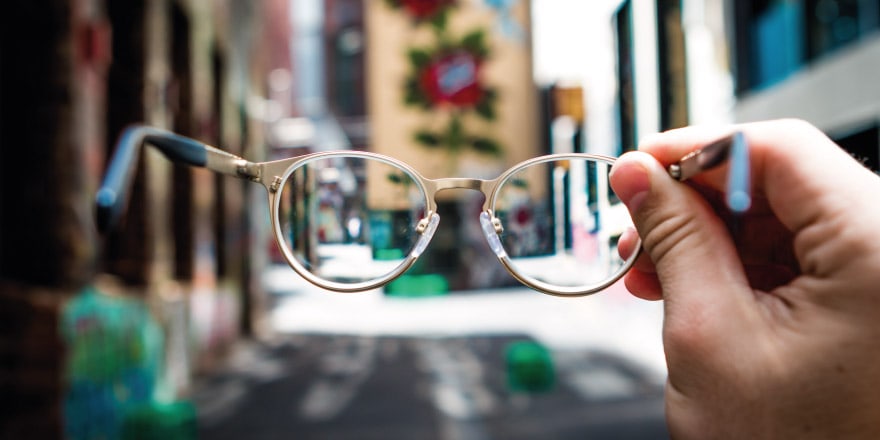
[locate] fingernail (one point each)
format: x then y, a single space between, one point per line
630 182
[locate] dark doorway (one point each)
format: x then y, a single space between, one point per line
863 144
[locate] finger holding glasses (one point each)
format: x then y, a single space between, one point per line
770 316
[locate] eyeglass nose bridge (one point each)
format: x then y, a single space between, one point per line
491 225
434 186
484 186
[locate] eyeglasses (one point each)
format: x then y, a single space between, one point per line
351 221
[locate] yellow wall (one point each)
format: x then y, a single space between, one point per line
390 33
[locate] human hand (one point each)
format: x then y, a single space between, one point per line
771 318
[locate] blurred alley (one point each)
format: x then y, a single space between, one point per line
186 320
503 363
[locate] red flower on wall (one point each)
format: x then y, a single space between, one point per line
448 77
422 10
452 79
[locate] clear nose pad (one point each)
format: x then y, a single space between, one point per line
491 233
427 227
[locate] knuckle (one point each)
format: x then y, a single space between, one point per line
800 128
666 233
796 125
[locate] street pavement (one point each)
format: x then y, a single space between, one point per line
369 366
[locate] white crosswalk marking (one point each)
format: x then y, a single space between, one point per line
344 368
457 388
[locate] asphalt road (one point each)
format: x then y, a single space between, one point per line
324 386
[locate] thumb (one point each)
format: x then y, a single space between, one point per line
688 243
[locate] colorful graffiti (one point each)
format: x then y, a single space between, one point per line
115 355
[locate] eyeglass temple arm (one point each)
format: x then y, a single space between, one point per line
732 148
112 196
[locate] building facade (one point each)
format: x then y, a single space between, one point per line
97 324
719 61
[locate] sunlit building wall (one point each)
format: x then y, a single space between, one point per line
653 91
720 61
809 59
505 69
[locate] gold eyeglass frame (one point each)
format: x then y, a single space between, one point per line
272 175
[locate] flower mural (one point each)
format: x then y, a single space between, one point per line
423 10
452 79
451 94
447 77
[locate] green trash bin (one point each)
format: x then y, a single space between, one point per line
160 421
418 286
529 367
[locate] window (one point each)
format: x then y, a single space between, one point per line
834 23
626 105
775 38
671 63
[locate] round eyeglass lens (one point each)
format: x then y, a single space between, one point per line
349 219
561 222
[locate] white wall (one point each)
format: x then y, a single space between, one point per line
835 93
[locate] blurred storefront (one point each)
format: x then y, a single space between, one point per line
815 60
102 332
719 61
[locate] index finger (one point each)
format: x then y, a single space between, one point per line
670 147
791 162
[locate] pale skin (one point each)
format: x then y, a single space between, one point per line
771 320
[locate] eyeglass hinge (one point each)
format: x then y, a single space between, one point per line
496 223
674 171
276 183
248 170
422 225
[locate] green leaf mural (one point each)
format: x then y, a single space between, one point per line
447 77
